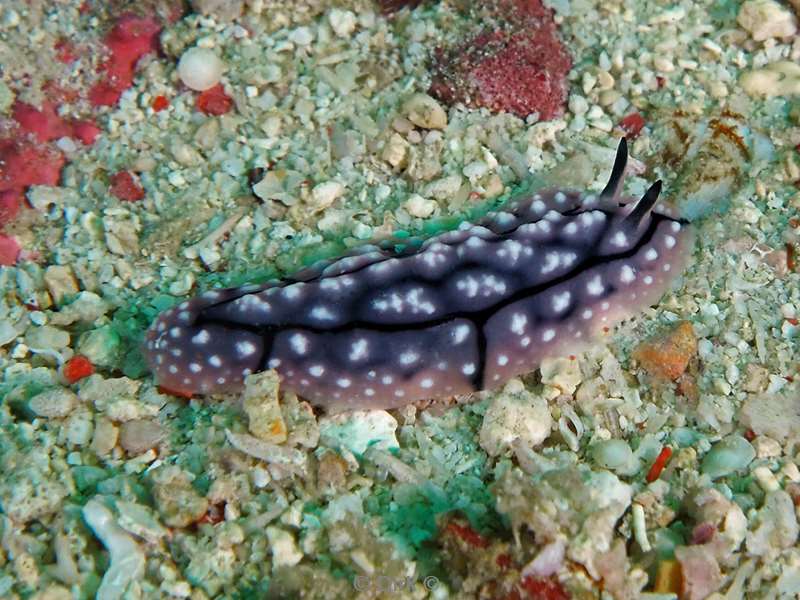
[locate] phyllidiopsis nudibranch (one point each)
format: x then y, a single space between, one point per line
466 310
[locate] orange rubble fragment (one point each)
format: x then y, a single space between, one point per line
665 356
668 577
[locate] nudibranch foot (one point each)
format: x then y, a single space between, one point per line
464 311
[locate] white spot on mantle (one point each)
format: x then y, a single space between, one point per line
321 313
561 301
407 358
202 337
595 286
358 349
460 333
299 343
518 322
626 274
245 348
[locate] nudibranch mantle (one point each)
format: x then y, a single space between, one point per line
465 311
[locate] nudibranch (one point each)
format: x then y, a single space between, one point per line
466 310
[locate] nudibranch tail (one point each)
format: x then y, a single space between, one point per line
189 356
463 311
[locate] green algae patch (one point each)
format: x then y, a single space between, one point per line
87 477
128 327
724 12
410 513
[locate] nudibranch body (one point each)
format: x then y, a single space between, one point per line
465 311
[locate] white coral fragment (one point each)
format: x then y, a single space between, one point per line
780 78
766 19
358 430
515 414
127 559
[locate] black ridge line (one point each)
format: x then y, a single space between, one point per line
476 380
389 254
477 318
291 280
267 341
481 315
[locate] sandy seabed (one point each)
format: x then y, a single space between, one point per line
659 463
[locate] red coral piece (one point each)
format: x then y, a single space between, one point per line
468 534
23 164
543 589
658 465
125 187
632 124
9 250
77 367
520 68
214 101
160 103
131 38
503 561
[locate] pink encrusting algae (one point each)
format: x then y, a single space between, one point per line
466 311
518 67
23 162
131 38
